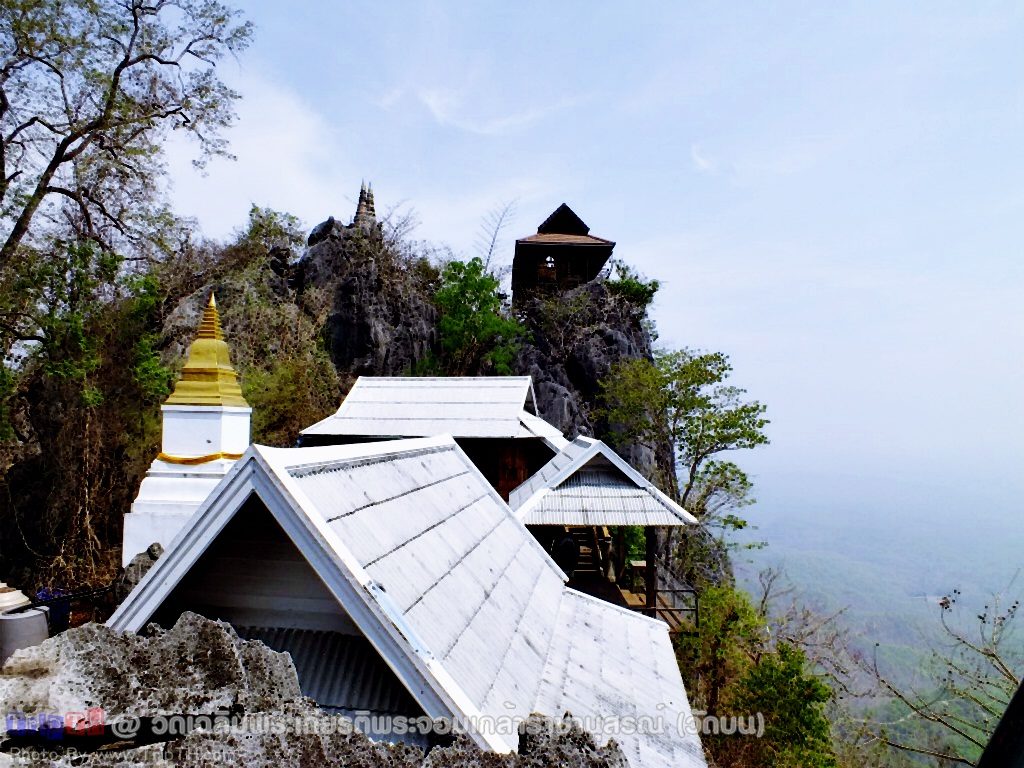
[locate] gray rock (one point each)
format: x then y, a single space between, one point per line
135 570
575 339
382 320
324 230
547 742
198 666
202 667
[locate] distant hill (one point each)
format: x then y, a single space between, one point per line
886 551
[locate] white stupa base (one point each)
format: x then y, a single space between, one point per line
168 497
201 430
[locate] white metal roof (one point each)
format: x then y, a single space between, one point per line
633 676
450 589
587 483
466 406
550 434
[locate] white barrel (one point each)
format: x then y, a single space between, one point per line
22 629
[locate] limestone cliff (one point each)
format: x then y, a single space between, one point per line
574 340
382 321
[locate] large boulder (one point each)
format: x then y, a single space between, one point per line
259 717
198 666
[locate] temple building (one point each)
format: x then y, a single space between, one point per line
205 430
492 418
403 553
562 255
403 585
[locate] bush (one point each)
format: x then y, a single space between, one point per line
475 332
631 286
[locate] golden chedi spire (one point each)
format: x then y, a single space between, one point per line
208 377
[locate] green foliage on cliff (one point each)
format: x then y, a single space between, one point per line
628 284
476 333
733 667
797 733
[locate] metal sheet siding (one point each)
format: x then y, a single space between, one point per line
339 671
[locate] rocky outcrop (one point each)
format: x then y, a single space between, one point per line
198 666
574 340
255 714
382 321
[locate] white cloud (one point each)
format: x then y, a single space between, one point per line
702 161
285 160
446 106
390 98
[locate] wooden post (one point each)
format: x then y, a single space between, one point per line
620 557
651 577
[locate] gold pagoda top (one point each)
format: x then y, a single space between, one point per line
208 377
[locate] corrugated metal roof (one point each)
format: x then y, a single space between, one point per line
635 675
404 406
341 672
587 483
599 497
449 588
460 569
535 425
567 459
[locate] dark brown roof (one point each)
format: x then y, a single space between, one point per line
563 221
554 238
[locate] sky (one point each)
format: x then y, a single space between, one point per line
830 193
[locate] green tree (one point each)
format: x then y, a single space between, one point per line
730 636
630 285
736 662
82 415
475 331
682 398
89 91
797 733
705 415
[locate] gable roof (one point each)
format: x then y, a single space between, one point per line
563 226
450 589
461 406
587 483
563 220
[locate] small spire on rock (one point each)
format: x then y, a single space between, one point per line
366 215
362 210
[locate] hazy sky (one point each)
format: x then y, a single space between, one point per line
832 194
